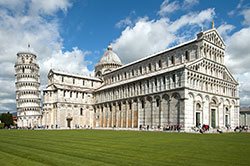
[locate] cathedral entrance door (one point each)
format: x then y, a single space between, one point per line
69 122
213 118
226 121
198 119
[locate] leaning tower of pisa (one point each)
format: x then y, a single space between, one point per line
27 90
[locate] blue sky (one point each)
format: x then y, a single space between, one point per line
91 25
71 35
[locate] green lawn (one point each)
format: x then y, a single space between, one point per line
97 147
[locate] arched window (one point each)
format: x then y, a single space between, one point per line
159 64
142 104
173 78
172 59
148 83
81 111
198 115
227 118
187 56
120 107
157 102
130 105
163 79
149 67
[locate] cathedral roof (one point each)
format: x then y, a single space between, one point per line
72 75
110 57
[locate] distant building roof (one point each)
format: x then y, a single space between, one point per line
244 109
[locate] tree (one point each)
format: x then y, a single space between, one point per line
7 119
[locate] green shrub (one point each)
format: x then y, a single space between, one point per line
1 125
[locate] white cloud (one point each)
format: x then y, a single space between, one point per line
13 5
128 21
238 50
23 22
5 101
167 7
224 30
239 6
192 18
246 15
238 58
124 23
149 36
48 7
190 3
7 94
69 61
144 38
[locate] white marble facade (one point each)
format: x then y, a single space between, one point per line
186 85
68 100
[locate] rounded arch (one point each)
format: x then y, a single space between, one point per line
175 109
98 73
130 100
176 95
142 99
157 97
191 95
165 96
227 102
199 97
107 70
149 98
135 100
214 100
198 106
233 102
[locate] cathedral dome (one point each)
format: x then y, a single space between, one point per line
109 57
108 62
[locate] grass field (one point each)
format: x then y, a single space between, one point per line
97 147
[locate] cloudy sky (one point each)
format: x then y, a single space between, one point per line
72 35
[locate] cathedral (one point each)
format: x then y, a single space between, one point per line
186 86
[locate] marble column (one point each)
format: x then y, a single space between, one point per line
114 114
105 116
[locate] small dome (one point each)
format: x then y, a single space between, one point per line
109 57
